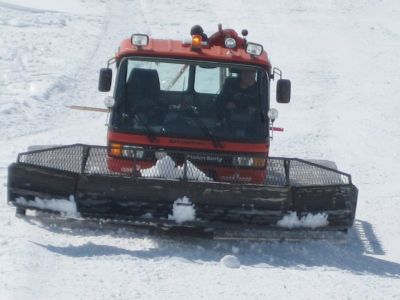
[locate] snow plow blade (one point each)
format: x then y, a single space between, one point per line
76 179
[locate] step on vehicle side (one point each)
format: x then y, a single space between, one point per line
189 131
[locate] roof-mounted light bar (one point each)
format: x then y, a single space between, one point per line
140 40
254 49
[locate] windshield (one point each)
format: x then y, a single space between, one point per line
191 100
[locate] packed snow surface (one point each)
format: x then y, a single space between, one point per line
343 61
308 221
183 210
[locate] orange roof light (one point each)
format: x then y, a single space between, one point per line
196 41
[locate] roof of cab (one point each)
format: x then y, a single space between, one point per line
178 49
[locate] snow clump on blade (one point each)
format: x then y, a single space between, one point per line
64 206
314 221
165 168
230 261
195 173
183 210
309 221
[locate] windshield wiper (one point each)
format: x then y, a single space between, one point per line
151 135
206 131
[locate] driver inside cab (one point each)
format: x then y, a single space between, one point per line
239 94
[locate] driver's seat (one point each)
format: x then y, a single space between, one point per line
143 88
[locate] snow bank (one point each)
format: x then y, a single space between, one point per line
166 168
309 221
64 206
183 210
230 261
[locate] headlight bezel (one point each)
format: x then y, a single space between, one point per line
140 40
254 49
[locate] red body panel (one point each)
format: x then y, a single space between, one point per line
182 144
222 173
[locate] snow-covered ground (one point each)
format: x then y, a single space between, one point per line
342 58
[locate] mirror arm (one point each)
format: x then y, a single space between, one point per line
276 71
111 61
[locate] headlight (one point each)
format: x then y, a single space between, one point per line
140 40
246 161
132 152
254 49
230 43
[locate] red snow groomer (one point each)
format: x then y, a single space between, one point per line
189 130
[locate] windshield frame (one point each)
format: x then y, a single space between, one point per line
264 94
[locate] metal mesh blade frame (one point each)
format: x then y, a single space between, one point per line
86 159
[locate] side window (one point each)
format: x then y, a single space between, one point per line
207 80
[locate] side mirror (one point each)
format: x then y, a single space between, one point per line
283 88
105 79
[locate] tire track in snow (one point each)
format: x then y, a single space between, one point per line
82 89
162 22
39 66
307 119
23 8
106 44
41 93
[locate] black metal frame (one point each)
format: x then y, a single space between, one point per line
81 171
